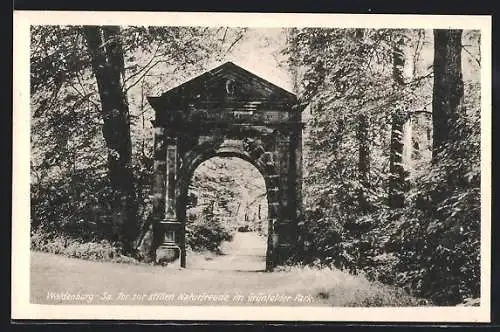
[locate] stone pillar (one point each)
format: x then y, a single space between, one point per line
171 177
272 187
169 228
158 188
284 228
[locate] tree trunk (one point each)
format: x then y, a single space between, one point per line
363 162
106 53
364 149
397 173
448 90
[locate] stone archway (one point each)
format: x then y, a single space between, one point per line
230 112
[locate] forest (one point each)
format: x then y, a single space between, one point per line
391 146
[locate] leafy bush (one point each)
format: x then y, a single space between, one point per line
431 251
75 203
438 240
206 232
77 248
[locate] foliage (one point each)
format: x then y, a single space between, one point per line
233 190
70 188
430 247
207 232
225 196
54 243
448 219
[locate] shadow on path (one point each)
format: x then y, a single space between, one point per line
245 253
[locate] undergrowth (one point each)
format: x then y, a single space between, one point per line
340 288
102 250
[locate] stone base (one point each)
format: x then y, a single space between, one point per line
168 255
285 252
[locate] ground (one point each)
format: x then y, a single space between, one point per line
236 277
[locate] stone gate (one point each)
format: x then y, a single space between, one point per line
227 112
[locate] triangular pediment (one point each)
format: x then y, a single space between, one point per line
227 83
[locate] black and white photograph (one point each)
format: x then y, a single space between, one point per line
251 167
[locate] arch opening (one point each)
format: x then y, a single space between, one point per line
226 215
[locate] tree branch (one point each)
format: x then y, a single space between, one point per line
149 69
234 43
143 75
471 55
144 67
224 36
418 49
